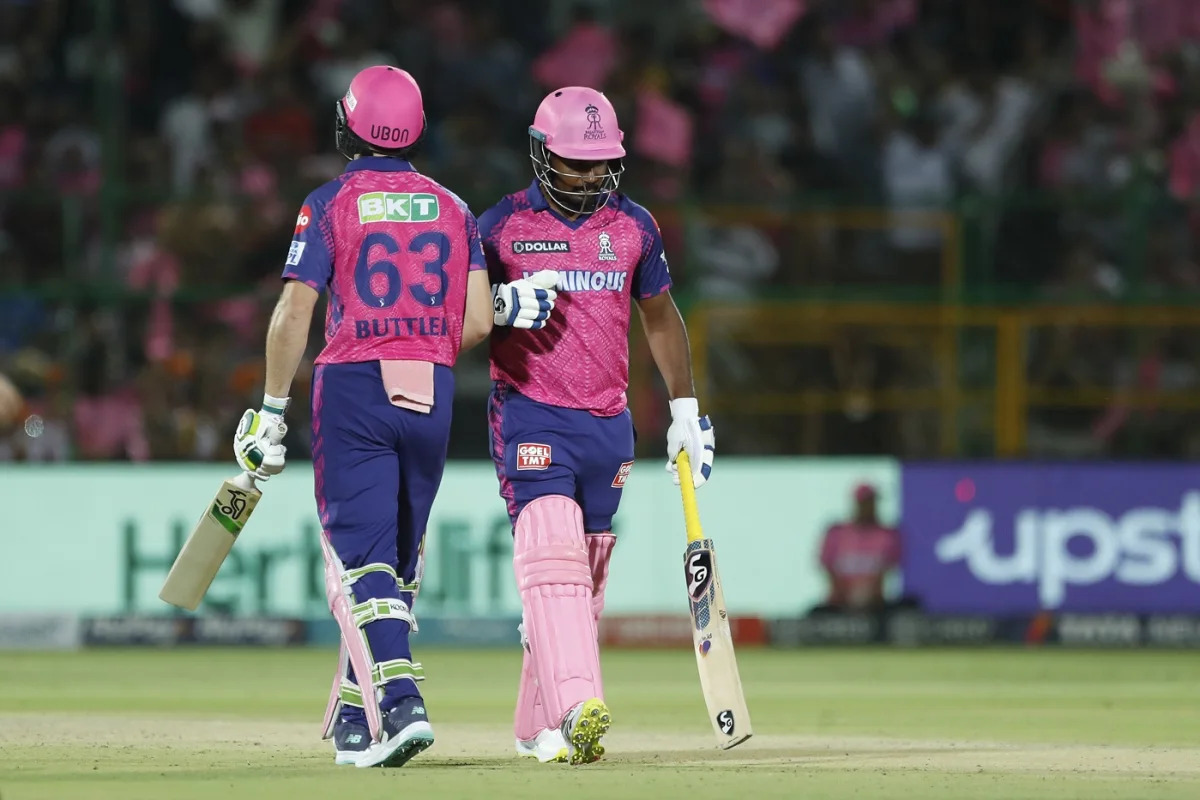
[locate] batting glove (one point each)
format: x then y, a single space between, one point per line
691 432
526 302
256 445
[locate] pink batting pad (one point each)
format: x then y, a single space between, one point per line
409 384
600 546
334 707
352 637
551 565
530 717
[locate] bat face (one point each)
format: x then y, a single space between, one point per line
714 646
208 545
232 506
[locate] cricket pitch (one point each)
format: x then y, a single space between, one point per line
199 723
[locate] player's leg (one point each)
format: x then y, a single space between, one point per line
421 444
357 476
550 561
601 480
604 459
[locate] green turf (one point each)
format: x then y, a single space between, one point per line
829 724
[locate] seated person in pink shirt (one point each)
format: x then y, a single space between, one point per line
858 555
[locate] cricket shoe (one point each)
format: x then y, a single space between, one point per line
549 746
406 732
350 740
583 727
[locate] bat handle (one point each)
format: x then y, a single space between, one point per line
691 514
245 481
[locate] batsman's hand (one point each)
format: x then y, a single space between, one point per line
525 303
256 445
691 432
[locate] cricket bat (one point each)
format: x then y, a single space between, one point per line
210 542
713 641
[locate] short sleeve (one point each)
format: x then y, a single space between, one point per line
651 277
474 244
491 223
310 256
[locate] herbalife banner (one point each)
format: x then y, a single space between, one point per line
99 539
1018 538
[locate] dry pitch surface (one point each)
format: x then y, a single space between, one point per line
235 724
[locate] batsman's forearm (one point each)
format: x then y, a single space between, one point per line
286 339
669 345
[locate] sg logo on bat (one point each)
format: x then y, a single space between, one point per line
725 722
698 572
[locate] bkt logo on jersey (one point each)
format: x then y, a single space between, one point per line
397 207
584 280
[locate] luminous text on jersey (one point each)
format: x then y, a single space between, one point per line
397 207
583 280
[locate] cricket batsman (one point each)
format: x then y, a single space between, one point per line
562 436
401 260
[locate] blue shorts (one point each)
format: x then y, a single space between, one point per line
541 450
377 467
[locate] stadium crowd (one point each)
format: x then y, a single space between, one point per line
153 154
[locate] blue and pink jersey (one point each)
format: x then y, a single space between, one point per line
581 358
393 247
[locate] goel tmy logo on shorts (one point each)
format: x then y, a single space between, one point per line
606 250
622 475
397 207
533 456
541 246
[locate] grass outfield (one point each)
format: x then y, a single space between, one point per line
990 724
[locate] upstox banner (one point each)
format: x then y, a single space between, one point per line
1019 538
100 539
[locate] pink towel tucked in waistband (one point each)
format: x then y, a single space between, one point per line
409 384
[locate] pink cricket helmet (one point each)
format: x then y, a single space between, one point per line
578 124
383 108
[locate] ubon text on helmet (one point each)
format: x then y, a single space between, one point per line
577 124
381 113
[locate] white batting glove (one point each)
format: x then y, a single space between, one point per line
691 432
525 303
256 445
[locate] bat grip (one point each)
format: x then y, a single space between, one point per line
691 514
245 481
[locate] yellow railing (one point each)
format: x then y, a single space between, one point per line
933 336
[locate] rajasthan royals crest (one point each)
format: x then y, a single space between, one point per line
606 250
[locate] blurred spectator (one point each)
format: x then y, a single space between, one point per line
10 402
148 183
858 556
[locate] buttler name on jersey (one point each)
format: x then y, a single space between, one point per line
400 326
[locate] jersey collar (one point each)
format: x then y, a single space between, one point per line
380 164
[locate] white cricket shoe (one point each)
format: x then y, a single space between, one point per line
548 747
